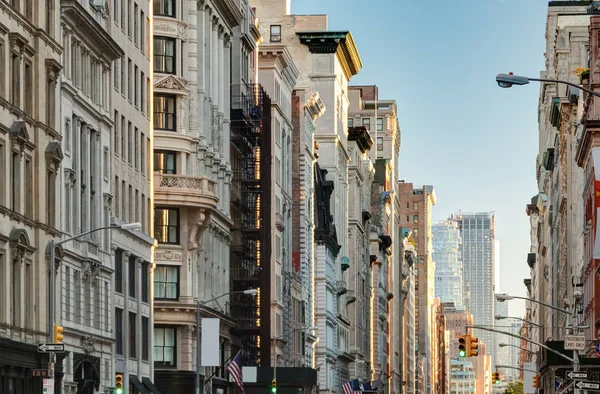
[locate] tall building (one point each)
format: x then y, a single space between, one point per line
446 244
360 179
193 161
367 109
317 53
277 74
30 180
482 365
107 319
457 321
501 354
477 233
462 377
415 214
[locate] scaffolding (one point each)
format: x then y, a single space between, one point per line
250 212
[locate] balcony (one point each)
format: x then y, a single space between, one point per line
279 222
184 190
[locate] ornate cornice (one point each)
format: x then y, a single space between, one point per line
341 43
229 11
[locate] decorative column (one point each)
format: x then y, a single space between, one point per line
221 63
214 53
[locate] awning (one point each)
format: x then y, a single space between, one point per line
148 383
138 385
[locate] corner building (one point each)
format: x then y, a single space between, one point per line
30 159
197 54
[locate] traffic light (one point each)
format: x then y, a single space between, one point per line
536 380
496 377
119 384
462 346
58 333
472 346
273 386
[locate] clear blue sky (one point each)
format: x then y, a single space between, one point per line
476 143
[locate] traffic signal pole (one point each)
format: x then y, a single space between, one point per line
51 306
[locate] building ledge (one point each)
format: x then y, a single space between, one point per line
361 136
183 190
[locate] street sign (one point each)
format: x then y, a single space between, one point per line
588 385
577 375
574 342
51 348
39 373
48 386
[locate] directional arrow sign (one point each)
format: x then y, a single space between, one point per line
588 385
577 375
51 348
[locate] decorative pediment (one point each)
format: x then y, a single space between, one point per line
20 245
171 82
19 136
53 69
54 154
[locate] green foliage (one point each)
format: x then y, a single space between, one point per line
514 387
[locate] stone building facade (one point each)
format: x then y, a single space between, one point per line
30 160
192 182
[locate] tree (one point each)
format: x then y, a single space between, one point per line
514 387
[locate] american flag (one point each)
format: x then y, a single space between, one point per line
351 387
235 371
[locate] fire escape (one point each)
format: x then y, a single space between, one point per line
250 211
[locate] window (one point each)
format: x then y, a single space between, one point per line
416 219
166 225
143 144
164 347
114 10
28 91
135 23
2 68
131 276
119 330
275 33
142 92
132 335
145 274
2 173
16 181
29 190
416 206
145 338
379 124
129 76
128 17
119 271
367 123
143 31
166 282
135 87
379 143
164 112
165 162
51 210
123 75
164 55
15 86
164 8
350 122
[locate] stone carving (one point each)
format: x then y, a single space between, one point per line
161 254
87 344
214 127
91 271
186 182
171 82
17 252
182 31
199 223
190 330
193 111
220 134
165 27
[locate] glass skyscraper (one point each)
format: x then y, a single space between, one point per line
448 263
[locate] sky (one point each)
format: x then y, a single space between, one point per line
473 141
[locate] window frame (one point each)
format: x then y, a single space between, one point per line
178 225
379 122
379 143
164 112
165 4
174 56
273 37
157 161
119 331
161 364
165 282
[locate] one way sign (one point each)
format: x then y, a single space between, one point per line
577 375
588 385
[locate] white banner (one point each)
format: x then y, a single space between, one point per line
210 343
528 378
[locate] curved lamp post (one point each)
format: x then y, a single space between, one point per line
508 80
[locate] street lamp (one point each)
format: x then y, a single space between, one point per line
508 80
198 349
52 299
507 297
275 350
518 347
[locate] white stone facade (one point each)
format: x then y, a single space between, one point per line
30 158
